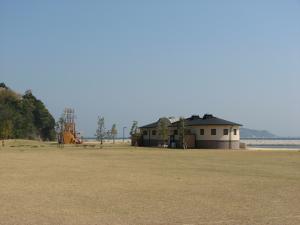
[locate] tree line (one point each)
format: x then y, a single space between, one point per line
24 116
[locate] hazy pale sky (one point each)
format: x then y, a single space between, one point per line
140 60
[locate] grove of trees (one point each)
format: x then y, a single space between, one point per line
24 116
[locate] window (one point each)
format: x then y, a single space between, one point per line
175 132
153 132
201 131
213 131
235 131
225 131
145 132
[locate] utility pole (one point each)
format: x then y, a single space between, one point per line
124 133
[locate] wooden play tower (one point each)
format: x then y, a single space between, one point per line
70 136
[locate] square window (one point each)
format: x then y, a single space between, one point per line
225 131
213 131
201 131
235 131
153 132
145 132
175 132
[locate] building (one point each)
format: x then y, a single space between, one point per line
208 132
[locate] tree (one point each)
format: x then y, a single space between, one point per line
181 132
163 130
108 135
114 132
6 130
100 132
134 128
59 129
42 119
135 133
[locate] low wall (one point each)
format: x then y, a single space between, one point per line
217 144
203 144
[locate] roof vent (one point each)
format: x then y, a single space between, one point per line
208 116
195 117
172 119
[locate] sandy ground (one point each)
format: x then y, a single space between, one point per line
41 184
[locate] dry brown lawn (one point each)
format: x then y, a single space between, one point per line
41 184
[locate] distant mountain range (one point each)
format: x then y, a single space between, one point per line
250 133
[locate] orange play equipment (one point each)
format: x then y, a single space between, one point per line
69 138
69 133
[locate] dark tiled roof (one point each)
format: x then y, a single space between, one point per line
206 120
151 125
156 124
195 120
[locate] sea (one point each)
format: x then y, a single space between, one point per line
273 143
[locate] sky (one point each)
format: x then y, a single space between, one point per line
141 60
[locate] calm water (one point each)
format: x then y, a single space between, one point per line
292 144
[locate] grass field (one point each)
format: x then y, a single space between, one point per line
41 184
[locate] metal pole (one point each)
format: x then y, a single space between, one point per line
230 138
124 133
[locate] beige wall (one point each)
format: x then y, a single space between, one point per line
207 133
152 137
219 135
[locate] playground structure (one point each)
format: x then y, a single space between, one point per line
69 134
